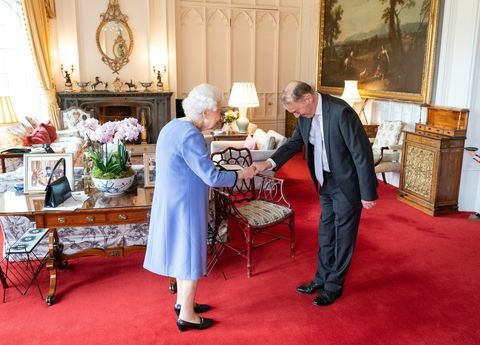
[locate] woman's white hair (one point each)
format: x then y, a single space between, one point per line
202 97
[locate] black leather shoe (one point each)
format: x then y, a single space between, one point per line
309 288
199 308
185 325
327 297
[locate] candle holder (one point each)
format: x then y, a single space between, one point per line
160 74
68 80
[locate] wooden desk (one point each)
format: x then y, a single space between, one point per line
131 208
229 136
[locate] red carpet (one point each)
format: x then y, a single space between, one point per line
414 279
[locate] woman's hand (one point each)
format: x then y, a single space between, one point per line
247 173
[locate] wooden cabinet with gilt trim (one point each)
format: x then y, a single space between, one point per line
432 161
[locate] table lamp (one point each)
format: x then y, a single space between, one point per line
7 113
351 96
243 96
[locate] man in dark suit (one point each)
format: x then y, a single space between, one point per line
340 160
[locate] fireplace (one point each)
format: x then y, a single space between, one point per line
152 109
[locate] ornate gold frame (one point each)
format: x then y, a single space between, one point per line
113 13
427 71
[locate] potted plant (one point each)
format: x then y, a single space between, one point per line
111 169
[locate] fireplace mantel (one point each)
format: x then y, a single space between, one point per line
151 108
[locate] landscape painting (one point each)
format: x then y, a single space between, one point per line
387 45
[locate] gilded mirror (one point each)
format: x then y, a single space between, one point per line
114 37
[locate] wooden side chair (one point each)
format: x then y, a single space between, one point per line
259 211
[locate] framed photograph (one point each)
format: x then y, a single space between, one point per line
149 169
388 46
149 194
39 167
35 202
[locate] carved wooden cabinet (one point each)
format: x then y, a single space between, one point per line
432 161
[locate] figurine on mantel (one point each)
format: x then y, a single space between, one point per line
117 85
131 85
97 82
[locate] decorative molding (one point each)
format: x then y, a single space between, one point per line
236 17
186 13
223 17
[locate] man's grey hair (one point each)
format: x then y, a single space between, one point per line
295 91
202 97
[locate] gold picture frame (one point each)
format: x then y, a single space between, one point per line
149 165
39 166
390 51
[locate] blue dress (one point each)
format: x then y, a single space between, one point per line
177 239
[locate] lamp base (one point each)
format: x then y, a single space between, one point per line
242 123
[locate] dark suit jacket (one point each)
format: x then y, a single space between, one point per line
349 152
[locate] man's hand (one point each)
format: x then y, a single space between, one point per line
368 204
262 166
247 173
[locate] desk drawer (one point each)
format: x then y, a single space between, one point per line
74 220
128 217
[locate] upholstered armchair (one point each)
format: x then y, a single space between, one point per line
72 116
387 148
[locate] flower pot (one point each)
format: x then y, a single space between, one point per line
113 186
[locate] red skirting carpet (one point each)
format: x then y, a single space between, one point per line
414 279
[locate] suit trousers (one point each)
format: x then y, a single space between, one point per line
337 233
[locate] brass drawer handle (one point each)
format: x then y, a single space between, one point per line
122 216
62 220
90 219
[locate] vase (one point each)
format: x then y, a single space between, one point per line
230 127
113 186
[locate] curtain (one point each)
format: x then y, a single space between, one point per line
36 20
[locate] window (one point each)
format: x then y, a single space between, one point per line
18 74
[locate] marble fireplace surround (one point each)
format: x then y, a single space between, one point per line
150 108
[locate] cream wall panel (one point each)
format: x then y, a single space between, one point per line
266 52
218 36
243 64
287 55
191 44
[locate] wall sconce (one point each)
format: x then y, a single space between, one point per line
243 96
160 74
351 96
7 113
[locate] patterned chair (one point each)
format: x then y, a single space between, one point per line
73 116
255 211
387 148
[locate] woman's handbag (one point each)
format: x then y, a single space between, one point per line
59 190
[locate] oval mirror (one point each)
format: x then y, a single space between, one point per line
114 37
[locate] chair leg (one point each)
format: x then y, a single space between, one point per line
249 251
291 225
384 178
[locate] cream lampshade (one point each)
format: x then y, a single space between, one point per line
350 92
243 96
7 113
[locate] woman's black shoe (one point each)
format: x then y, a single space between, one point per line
199 308
185 325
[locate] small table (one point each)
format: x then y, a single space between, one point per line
238 136
4 156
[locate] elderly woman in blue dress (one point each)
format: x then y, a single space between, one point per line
177 237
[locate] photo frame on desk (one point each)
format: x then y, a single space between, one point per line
35 202
38 169
149 165
388 47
